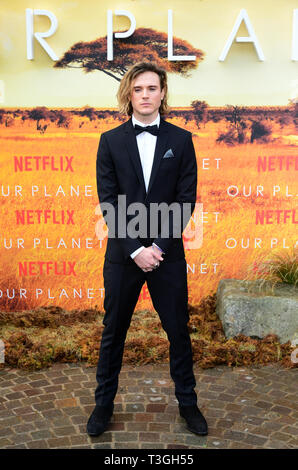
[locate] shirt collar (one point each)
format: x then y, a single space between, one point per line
156 121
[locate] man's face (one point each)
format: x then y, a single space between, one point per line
146 96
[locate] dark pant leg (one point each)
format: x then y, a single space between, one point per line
168 289
122 285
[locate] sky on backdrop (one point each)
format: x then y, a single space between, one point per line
206 24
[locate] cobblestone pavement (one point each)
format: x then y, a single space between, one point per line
245 407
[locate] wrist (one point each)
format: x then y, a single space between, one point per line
156 246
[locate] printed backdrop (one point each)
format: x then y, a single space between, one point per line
238 98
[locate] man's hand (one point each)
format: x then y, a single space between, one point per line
148 259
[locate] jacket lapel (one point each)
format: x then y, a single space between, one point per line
160 148
133 151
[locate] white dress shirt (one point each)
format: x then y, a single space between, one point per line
146 145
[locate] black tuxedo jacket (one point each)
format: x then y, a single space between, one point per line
173 179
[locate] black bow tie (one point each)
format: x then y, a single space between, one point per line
152 129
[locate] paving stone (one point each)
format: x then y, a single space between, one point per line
103 446
31 400
23 410
105 437
291 430
271 425
65 431
242 413
62 394
147 417
280 436
239 445
261 431
134 407
164 418
30 417
60 442
234 435
195 440
22 428
264 404
160 427
140 426
32 392
126 445
53 388
60 380
47 405
41 423
4 442
117 426
47 397
5 414
62 421
225 423
81 447
41 434
253 420
157 408
149 436
126 437
152 445
281 410
53 413
66 402
271 444
169 438
252 439
124 417
82 439
39 444
11 421
39 383
86 400
9 405
293 443
216 413
19 446
14 395
175 446
79 419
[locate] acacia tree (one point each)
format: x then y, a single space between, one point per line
145 44
37 114
200 111
235 132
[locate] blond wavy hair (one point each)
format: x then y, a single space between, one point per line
125 88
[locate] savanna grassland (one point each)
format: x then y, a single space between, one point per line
228 142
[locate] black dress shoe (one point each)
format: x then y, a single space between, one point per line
99 420
195 420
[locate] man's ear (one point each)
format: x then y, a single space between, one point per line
162 93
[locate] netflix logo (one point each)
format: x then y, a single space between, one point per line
277 163
38 268
42 163
279 216
39 216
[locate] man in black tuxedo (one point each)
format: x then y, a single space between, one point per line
147 161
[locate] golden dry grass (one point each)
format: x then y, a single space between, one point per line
238 166
36 339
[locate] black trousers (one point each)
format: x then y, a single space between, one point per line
167 286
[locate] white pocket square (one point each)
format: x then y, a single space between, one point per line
169 154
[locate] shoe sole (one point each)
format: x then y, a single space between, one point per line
196 432
94 434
